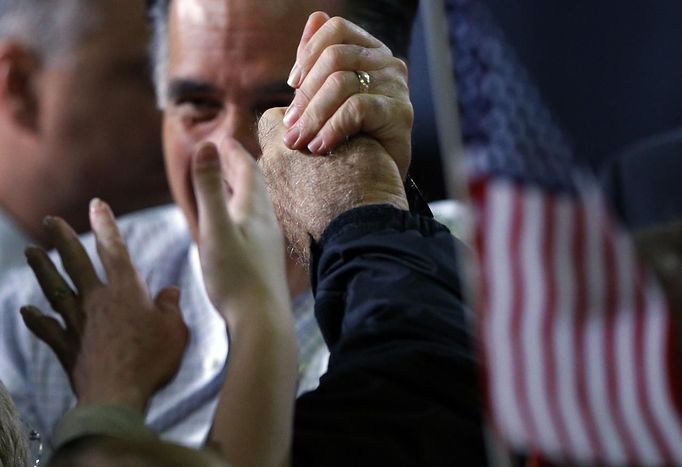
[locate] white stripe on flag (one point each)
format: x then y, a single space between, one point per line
498 271
531 339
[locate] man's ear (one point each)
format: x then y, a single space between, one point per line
19 72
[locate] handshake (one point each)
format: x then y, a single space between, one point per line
112 329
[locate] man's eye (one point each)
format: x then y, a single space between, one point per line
197 109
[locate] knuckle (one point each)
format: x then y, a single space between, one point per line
401 67
406 113
337 23
303 96
268 124
386 49
338 80
334 56
357 105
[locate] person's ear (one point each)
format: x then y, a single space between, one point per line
19 72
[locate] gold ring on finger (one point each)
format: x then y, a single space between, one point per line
365 81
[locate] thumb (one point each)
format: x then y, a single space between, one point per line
211 196
168 299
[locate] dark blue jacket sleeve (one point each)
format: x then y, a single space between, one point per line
401 388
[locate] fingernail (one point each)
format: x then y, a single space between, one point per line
47 221
316 144
292 136
294 76
30 251
173 295
96 204
206 155
28 312
290 116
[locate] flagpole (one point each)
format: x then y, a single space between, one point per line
446 109
444 93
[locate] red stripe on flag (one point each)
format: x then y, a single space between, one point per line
479 197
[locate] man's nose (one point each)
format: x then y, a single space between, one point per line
242 125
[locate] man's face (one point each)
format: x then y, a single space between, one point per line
229 62
101 125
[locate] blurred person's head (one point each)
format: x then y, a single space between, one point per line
77 112
13 448
100 451
218 64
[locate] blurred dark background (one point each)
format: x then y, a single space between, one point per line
609 72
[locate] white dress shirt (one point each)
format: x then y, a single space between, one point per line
12 244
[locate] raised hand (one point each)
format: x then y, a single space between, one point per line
348 82
242 259
117 344
240 243
308 192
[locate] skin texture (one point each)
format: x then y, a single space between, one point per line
81 126
309 191
330 104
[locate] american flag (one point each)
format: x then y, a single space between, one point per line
576 335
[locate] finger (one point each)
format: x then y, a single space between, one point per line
211 194
385 119
49 331
56 289
350 58
314 23
74 257
111 247
337 30
338 88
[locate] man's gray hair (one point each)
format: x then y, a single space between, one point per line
388 20
158 15
50 28
13 449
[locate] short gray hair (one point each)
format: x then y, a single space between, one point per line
158 49
50 28
389 20
13 448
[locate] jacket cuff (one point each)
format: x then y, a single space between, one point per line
101 420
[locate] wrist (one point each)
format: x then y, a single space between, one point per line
262 311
